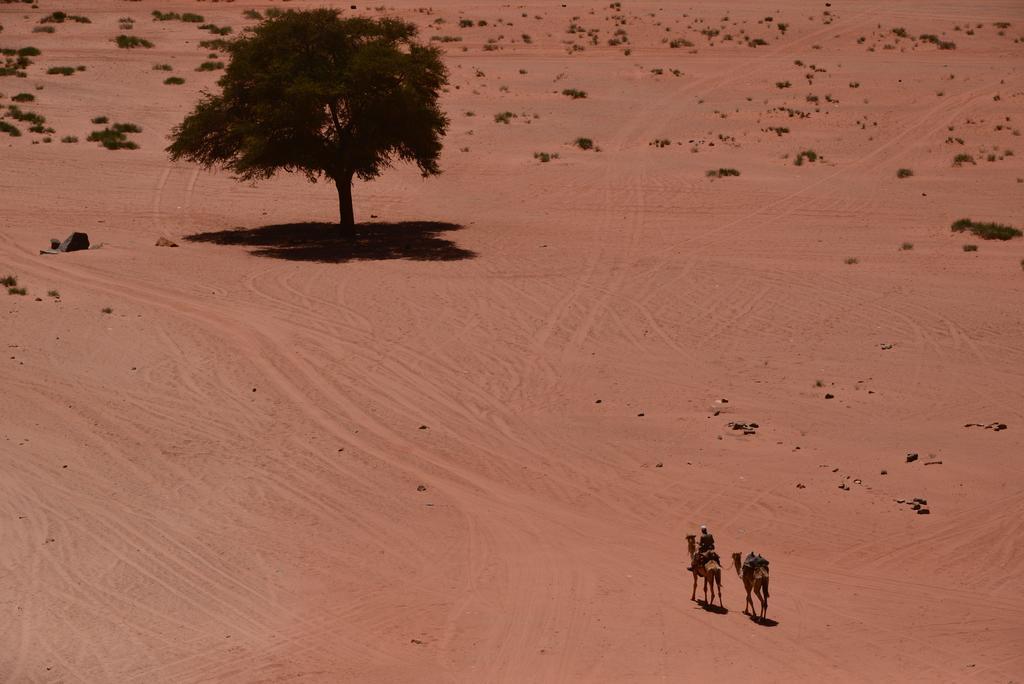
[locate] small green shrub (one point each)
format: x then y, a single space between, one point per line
63 71
679 42
128 42
9 128
162 67
43 29
722 173
24 97
850 261
961 159
782 84
165 16
8 281
115 137
907 246
584 143
545 157
99 120
210 66
107 310
252 14
904 173
69 139
61 17
216 30
192 18
17 291
173 80
970 248
574 93
504 117
986 231
465 23
53 293
809 155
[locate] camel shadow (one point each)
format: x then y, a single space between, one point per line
712 608
764 622
325 243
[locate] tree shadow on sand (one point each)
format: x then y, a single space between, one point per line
325 243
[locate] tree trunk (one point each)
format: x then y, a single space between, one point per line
346 220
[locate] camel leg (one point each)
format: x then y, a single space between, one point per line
693 594
764 601
718 581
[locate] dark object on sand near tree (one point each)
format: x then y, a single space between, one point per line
326 96
72 243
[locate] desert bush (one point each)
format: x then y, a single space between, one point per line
942 44
18 114
907 246
660 142
722 173
128 42
679 42
214 44
43 29
970 248
252 14
115 136
9 128
29 52
854 84
165 16
17 291
174 80
8 281
69 139
210 66
53 293
99 120
961 159
809 155
216 30
545 157
23 97
504 117
447 39
61 17
62 70
584 143
904 173
782 84
162 67
574 93
850 261
192 18
273 12
107 310
986 231
900 31
465 23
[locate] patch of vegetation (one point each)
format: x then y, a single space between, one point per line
574 93
43 29
53 293
986 231
447 39
679 42
722 173
174 80
252 14
545 157
17 291
961 159
907 246
904 173
782 84
850 261
23 97
504 117
165 16
191 18
162 67
970 248
9 128
115 136
128 42
660 142
216 30
215 44
18 114
942 44
465 23
61 17
69 139
778 130
809 155
99 120
107 310
584 143
210 66
8 281
62 70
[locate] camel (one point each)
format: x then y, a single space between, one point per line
754 580
711 571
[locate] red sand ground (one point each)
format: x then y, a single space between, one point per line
218 480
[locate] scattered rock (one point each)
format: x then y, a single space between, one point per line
857 481
915 506
801 485
884 472
991 426
830 396
415 641
421 488
885 346
923 511
423 427
598 401
164 242
920 500
659 464
639 415
844 486
748 428
933 462
911 457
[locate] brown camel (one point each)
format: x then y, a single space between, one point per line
754 580
711 571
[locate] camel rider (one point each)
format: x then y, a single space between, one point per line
705 545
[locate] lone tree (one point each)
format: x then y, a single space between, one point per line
329 97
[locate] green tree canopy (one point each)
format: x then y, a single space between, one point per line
309 91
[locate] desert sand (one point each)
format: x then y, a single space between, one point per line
473 453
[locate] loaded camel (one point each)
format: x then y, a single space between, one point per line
709 569
755 579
